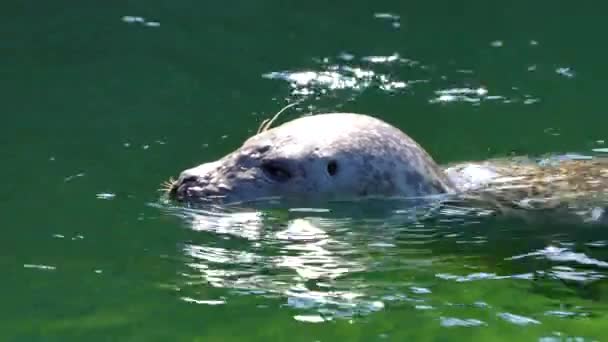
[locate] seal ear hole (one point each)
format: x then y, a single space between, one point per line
332 167
276 172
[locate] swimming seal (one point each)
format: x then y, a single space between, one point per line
331 156
341 156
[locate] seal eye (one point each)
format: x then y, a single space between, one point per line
332 168
276 172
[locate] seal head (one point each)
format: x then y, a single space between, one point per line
335 156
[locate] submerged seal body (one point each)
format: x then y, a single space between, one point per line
342 156
331 156
575 185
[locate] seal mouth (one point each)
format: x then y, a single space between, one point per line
169 187
181 190
188 190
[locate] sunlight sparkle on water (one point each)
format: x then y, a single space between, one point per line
336 77
204 302
565 71
133 19
462 95
309 318
40 267
517 319
381 59
449 322
105 196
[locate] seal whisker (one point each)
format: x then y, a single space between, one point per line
167 185
265 125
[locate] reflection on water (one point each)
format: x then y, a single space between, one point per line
295 258
328 266
348 75
338 77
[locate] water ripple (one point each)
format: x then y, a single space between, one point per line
328 266
562 255
517 319
337 77
449 322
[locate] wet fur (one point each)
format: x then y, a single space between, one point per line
576 187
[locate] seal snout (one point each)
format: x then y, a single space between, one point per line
184 186
196 184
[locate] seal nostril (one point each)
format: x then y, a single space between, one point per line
332 167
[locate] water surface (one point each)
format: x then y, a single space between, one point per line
103 103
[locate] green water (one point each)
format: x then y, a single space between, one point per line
98 108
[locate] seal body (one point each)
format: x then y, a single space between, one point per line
575 186
333 156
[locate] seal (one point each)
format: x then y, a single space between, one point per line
344 156
333 156
574 186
